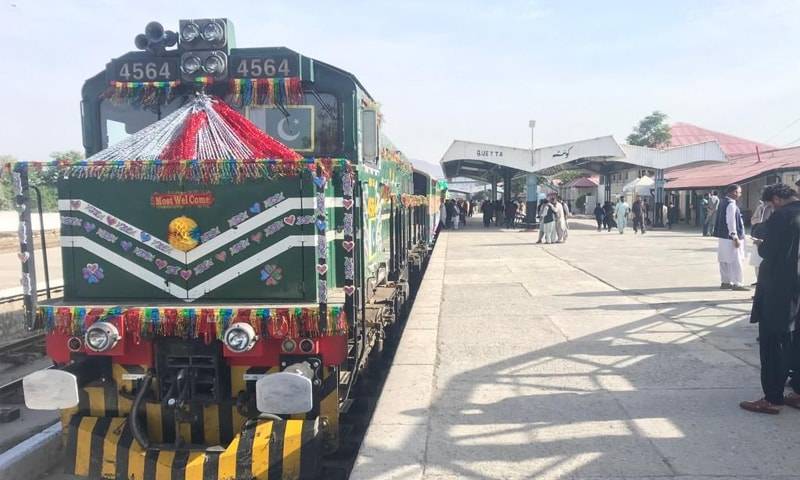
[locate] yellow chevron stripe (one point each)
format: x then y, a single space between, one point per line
292 443
164 464
194 467
261 444
110 442
135 461
186 432
227 461
83 449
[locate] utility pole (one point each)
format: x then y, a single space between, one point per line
531 185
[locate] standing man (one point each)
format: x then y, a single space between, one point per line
488 212
777 301
599 216
559 208
730 231
638 217
608 215
704 217
713 208
621 213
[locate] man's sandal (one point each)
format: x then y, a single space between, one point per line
761 406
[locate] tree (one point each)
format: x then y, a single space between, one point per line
652 131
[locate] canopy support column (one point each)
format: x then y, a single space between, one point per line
506 186
659 218
532 197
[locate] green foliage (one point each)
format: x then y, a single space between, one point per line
45 180
652 131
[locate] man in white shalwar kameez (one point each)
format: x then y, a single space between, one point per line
730 231
621 214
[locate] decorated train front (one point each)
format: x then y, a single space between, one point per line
229 261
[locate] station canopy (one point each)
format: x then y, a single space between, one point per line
488 163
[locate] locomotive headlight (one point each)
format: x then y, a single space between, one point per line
190 32
213 32
240 337
191 64
101 337
214 63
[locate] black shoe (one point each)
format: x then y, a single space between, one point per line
740 288
725 286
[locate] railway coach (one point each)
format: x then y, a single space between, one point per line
238 242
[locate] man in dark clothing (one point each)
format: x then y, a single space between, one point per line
608 216
511 214
638 215
487 209
599 216
777 301
450 209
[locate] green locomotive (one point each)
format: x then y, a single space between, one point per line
220 303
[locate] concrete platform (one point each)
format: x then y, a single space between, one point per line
607 357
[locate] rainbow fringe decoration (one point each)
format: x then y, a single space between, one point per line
266 91
141 93
199 171
201 323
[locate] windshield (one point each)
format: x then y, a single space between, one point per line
311 129
118 121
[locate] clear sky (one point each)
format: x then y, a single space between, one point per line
444 70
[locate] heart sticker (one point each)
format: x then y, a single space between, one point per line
23 256
289 219
185 274
88 226
92 267
322 269
348 245
221 256
75 204
347 203
145 236
321 224
256 237
161 263
255 208
111 220
349 289
320 182
126 245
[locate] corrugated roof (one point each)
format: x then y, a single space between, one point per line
687 134
584 182
737 170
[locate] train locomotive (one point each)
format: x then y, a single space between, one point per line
237 244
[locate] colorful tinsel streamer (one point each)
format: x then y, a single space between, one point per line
199 171
141 93
266 91
203 323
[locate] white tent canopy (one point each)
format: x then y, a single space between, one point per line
640 186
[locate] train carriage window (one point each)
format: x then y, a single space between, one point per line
369 136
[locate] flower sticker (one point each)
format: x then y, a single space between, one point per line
271 274
93 273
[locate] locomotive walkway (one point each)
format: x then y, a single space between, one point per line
608 357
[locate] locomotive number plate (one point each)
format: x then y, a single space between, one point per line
150 70
265 66
252 377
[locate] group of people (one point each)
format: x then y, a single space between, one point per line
553 214
616 215
501 213
776 303
454 213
